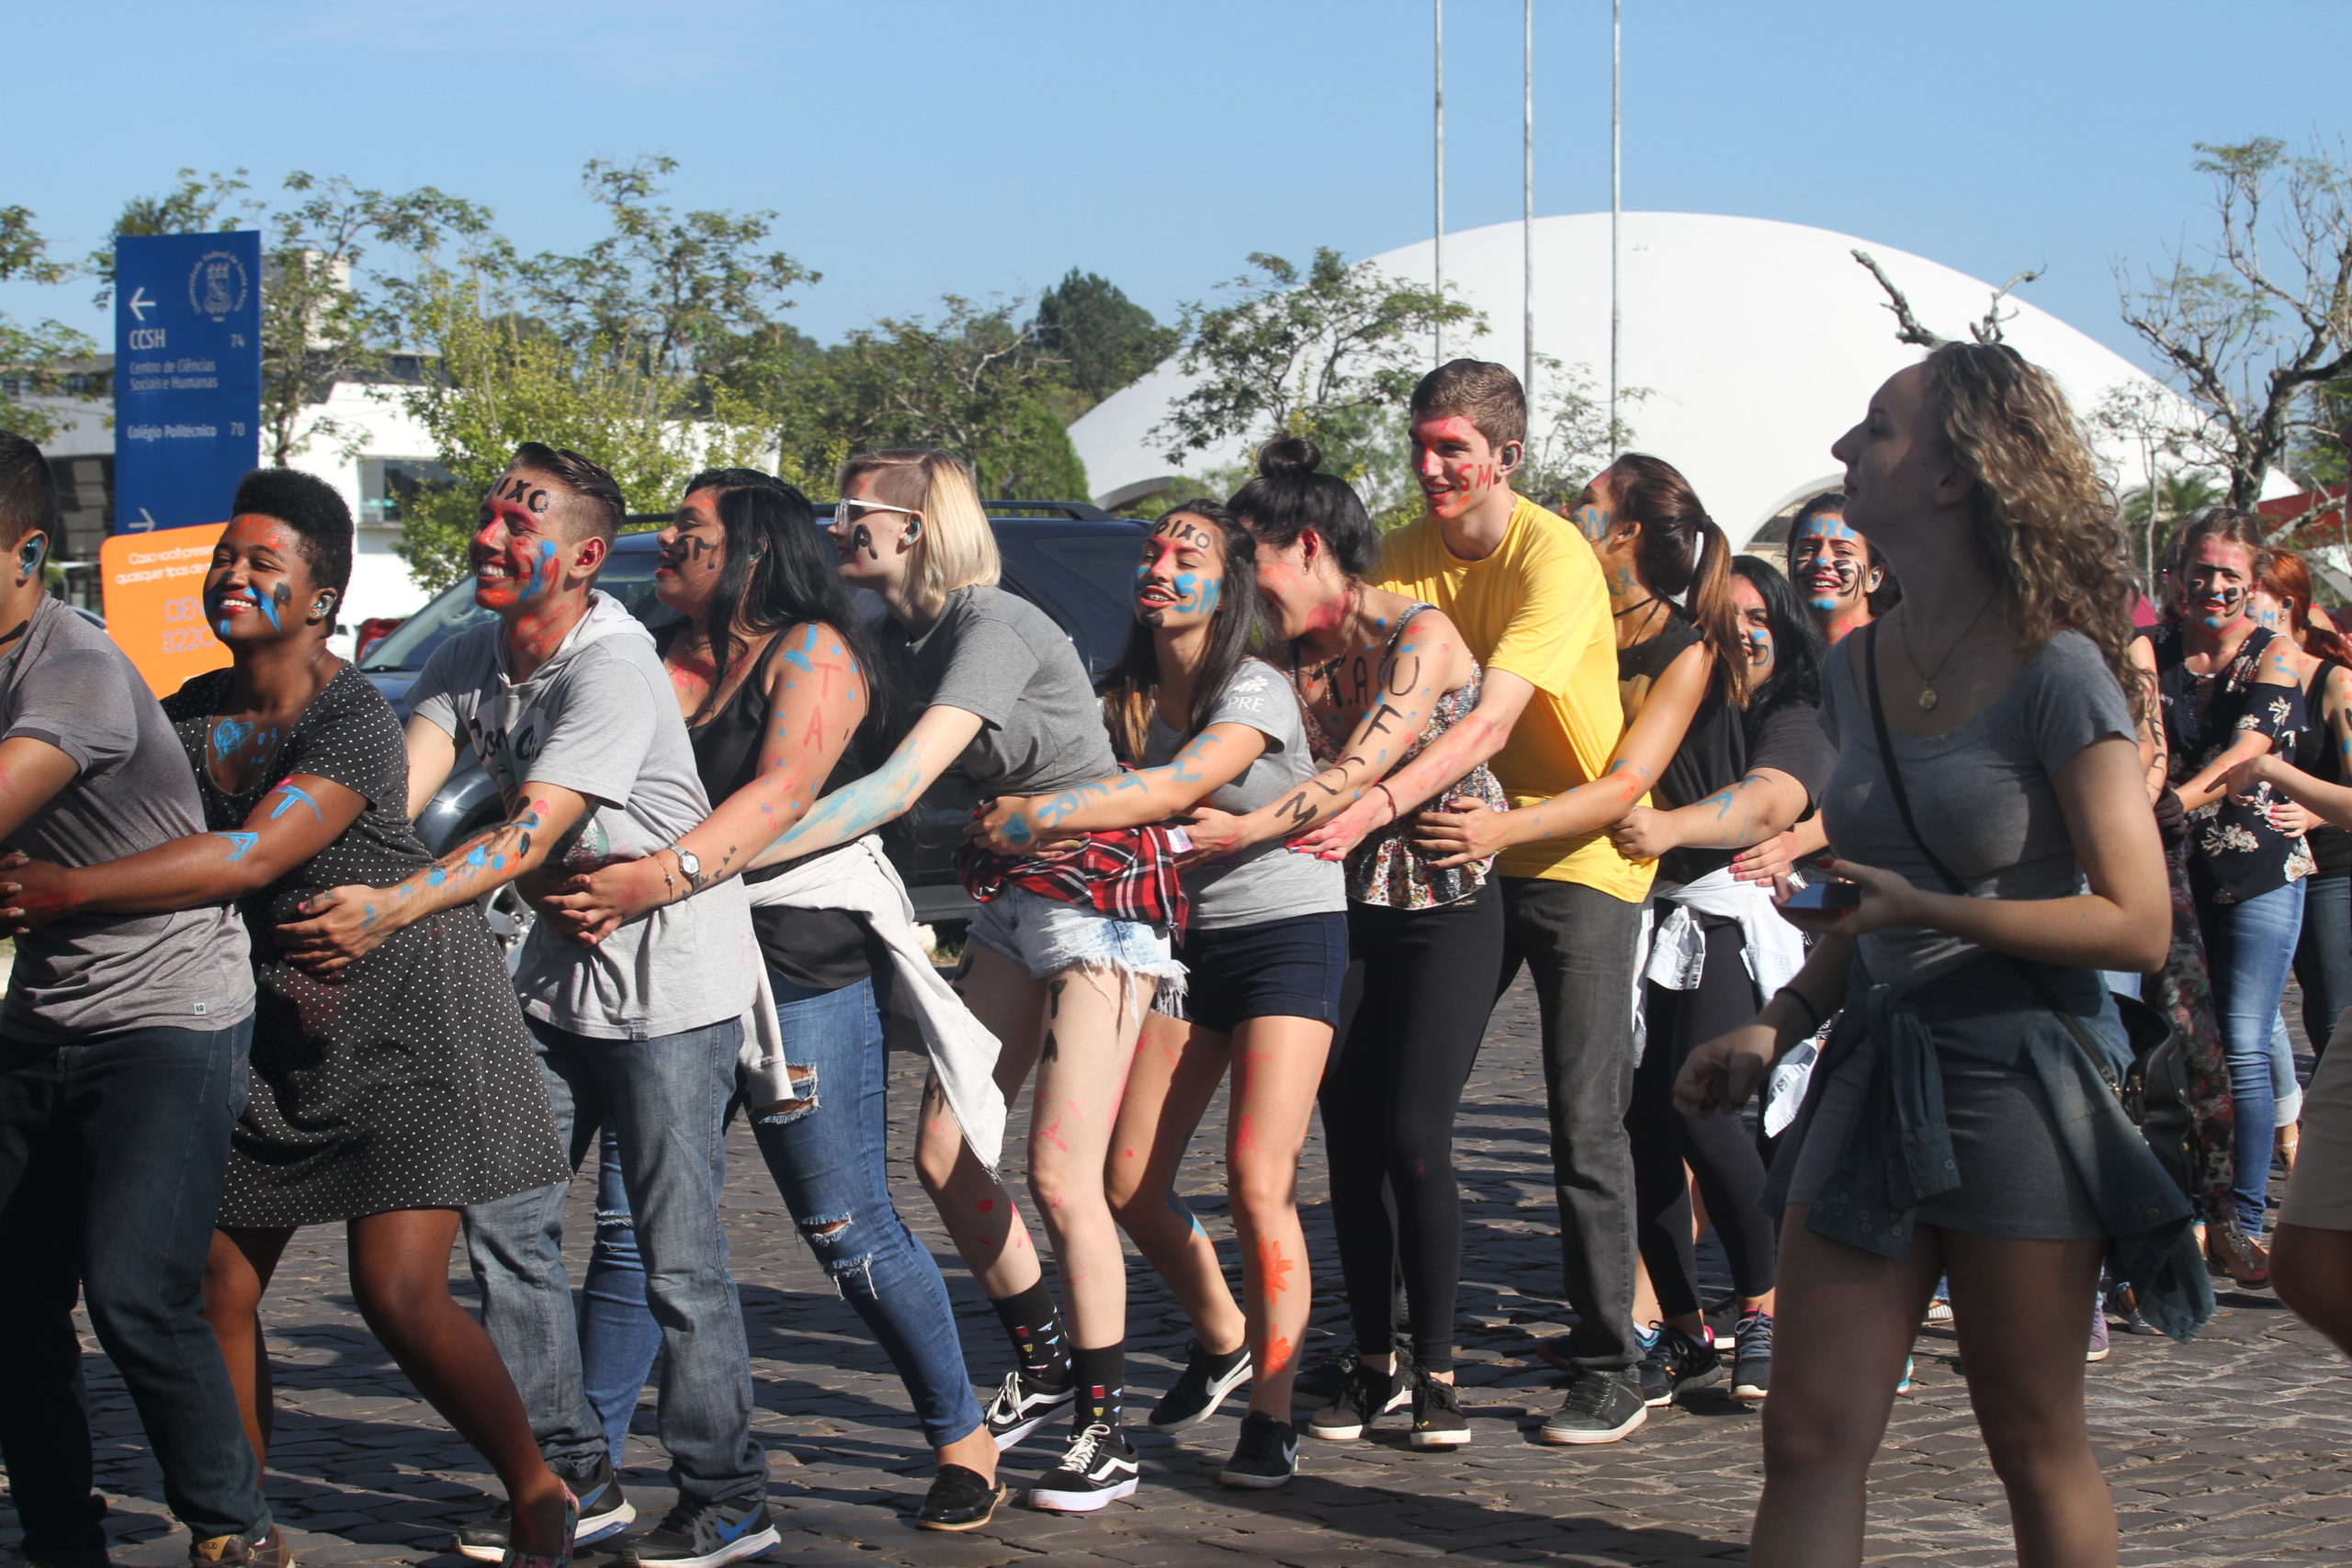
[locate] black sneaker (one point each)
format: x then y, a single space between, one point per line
1207 1379
1022 1402
1437 1414
1319 1382
1098 1467
705 1534
1677 1362
1602 1407
1751 1357
1266 1456
1366 1397
959 1499
603 1513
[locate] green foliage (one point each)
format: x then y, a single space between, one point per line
30 352
1331 354
1103 339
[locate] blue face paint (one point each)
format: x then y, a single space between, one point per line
239 843
228 737
435 877
290 795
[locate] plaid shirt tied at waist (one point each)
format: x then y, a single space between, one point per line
1128 873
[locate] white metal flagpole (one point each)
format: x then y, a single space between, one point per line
1616 196
1527 222
1440 330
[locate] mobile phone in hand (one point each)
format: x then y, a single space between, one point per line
1825 897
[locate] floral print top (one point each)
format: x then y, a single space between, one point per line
1386 869
2234 854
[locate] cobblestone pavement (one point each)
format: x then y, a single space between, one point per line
2231 1451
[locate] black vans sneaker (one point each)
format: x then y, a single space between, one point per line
603 1513
1602 1407
1437 1414
1023 1403
1319 1382
1266 1456
705 1534
1098 1467
1678 1362
959 1499
1207 1379
1364 1398
1751 1358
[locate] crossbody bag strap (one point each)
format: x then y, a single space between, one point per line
2040 984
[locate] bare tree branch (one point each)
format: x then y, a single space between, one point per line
1908 326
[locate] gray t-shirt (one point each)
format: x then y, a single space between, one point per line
1982 794
67 683
600 719
1265 881
997 655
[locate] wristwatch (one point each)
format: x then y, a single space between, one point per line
689 863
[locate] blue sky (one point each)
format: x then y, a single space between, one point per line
912 147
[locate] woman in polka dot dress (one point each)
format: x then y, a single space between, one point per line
387 1096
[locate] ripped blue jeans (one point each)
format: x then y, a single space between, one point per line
827 1155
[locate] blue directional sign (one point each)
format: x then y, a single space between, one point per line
187 376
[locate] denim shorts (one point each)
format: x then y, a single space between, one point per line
1291 968
1048 936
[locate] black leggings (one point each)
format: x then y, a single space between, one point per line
1388 1102
1718 1148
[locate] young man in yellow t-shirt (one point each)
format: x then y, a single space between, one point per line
1527 592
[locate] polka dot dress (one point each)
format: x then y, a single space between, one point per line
406 1079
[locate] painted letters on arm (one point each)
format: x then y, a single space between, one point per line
931 747
1016 824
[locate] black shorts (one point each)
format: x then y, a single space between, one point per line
1291 968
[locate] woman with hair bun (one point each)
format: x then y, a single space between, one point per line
1380 677
1996 854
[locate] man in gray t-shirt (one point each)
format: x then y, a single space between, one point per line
122 1049
563 701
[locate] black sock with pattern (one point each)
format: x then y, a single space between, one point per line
1035 1326
1102 1375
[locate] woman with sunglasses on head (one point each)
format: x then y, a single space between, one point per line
1380 677
1743 775
1992 833
1062 961
1265 951
779 680
385 1098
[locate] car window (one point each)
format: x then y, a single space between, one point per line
627 576
1093 595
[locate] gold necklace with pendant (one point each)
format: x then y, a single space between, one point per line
1928 681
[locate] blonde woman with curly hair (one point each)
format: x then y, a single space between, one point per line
1995 853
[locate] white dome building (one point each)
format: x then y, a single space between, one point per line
1760 343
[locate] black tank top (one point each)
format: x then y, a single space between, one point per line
821 950
2317 754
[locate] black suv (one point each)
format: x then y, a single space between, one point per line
1072 560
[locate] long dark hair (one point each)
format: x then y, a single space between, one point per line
1290 496
1128 687
1683 553
780 573
1797 648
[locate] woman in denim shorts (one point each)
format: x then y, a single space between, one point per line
1265 950
1064 958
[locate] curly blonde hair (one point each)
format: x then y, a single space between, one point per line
2045 520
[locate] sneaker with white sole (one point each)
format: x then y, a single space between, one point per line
1751 1357
1438 1422
705 1534
1098 1467
1022 1404
1207 1379
1677 1362
1266 1455
1602 1407
604 1512
1364 1398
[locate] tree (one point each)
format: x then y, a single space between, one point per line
322 320
1104 339
1331 354
30 353
1569 437
2260 321
973 381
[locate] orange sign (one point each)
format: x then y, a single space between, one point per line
153 585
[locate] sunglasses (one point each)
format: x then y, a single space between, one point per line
850 514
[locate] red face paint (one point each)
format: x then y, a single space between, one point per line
1455 465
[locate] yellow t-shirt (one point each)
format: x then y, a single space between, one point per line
1537 608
